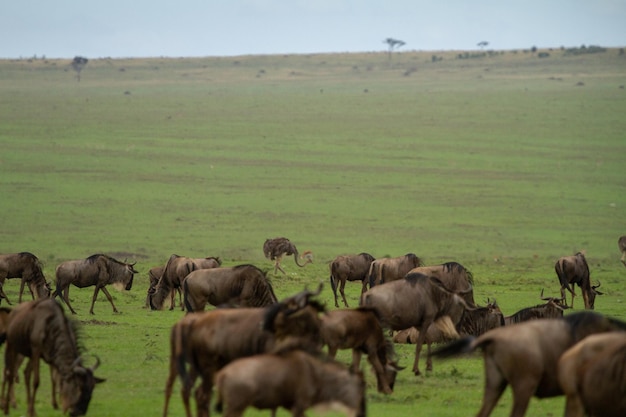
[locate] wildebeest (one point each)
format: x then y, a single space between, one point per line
525 355
453 275
473 322
40 330
154 275
274 250
552 309
29 268
574 270
203 343
97 270
621 243
417 300
360 330
390 269
348 268
241 285
173 275
592 375
295 380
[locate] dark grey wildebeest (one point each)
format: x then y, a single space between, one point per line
97 270
526 355
575 270
29 268
40 330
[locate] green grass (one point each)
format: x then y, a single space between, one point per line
503 164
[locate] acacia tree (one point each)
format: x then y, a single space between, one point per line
78 64
482 44
393 44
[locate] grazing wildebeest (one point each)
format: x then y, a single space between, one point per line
526 354
552 309
97 270
173 275
241 285
621 243
348 268
40 330
295 380
592 375
574 270
360 330
417 300
29 268
275 249
206 342
390 269
154 275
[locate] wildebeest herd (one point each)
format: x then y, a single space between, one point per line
258 351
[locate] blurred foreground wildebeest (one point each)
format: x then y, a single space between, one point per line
574 270
241 285
97 270
525 355
348 268
384 270
415 301
552 309
621 243
295 380
592 375
360 330
202 343
173 275
275 249
40 330
29 268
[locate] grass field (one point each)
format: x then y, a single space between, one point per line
502 162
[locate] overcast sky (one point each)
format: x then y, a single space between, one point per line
182 28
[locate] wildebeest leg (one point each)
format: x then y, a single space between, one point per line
332 351
418 344
429 359
33 365
108 295
203 396
494 387
379 369
2 293
54 376
66 297
343 294
356 360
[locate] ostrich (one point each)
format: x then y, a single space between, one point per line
275 249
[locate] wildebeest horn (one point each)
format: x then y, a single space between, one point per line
544 298
95 365
593 287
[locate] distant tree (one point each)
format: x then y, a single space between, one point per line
78 64
393 44
533 49
482 44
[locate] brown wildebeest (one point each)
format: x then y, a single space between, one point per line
154 275
97 270
275 249
621 243
29 268
574 270
173 275
40 330
552 309
360 330
473 322
348 268
390 269
525 355
417 300
295 380
592 375
241 285
206 342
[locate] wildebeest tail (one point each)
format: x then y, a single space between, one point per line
455 348
186 301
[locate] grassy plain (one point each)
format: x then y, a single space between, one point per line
502 163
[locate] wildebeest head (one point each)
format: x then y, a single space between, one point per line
77 388
127 274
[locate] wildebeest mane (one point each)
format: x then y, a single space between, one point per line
458 269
